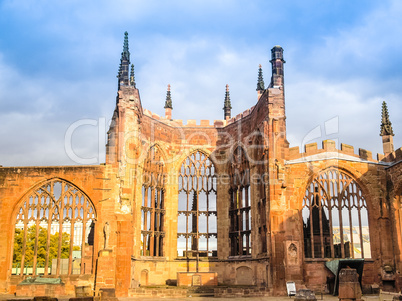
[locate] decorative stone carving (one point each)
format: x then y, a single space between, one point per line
106 233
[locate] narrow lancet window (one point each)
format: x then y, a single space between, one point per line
152 209
240 204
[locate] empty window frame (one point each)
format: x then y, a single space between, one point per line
240 204
197 220
152 209
54 231
261 181
335 218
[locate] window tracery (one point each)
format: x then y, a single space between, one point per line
197 219
335 218
152 209
54 231
240 204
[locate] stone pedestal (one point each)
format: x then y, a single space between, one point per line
105 273
349 286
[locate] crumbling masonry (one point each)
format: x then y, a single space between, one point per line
225 202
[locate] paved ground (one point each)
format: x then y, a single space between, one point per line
325 297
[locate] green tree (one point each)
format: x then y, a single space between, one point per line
42 245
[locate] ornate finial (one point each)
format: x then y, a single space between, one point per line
132 78
168 102
227 104
260 81
125 54
386 126
123 75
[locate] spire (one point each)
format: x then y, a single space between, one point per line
227 105
123 75
386 126
260 81
132 78
125 54
168 102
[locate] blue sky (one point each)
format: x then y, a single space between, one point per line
59 60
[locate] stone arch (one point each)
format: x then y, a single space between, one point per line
194 150
244 276
160 149
197 213
354 174
144 278
54 226
335 215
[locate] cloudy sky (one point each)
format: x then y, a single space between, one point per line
59 60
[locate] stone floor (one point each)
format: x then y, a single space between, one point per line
325 297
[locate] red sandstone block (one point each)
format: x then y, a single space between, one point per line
365 154
310 148
329 145
109 281
294 152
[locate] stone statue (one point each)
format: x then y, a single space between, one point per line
106 233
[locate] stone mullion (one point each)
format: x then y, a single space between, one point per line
61 219
84 229
340 207
70 258
35 259
321 228
51 206
162 222
248 215
187 215
152 222
360 225
331 230
49 228
24 242
311 202
350 221
144 222
197 213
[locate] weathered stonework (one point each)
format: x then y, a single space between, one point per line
279 176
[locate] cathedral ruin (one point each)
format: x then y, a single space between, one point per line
225 202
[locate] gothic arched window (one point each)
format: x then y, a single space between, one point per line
197 223
54 231
152 209
240 204
259 159
335 218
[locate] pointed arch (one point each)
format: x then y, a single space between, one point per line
335 217
240 203
209 155
54 228
153 203
197 216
